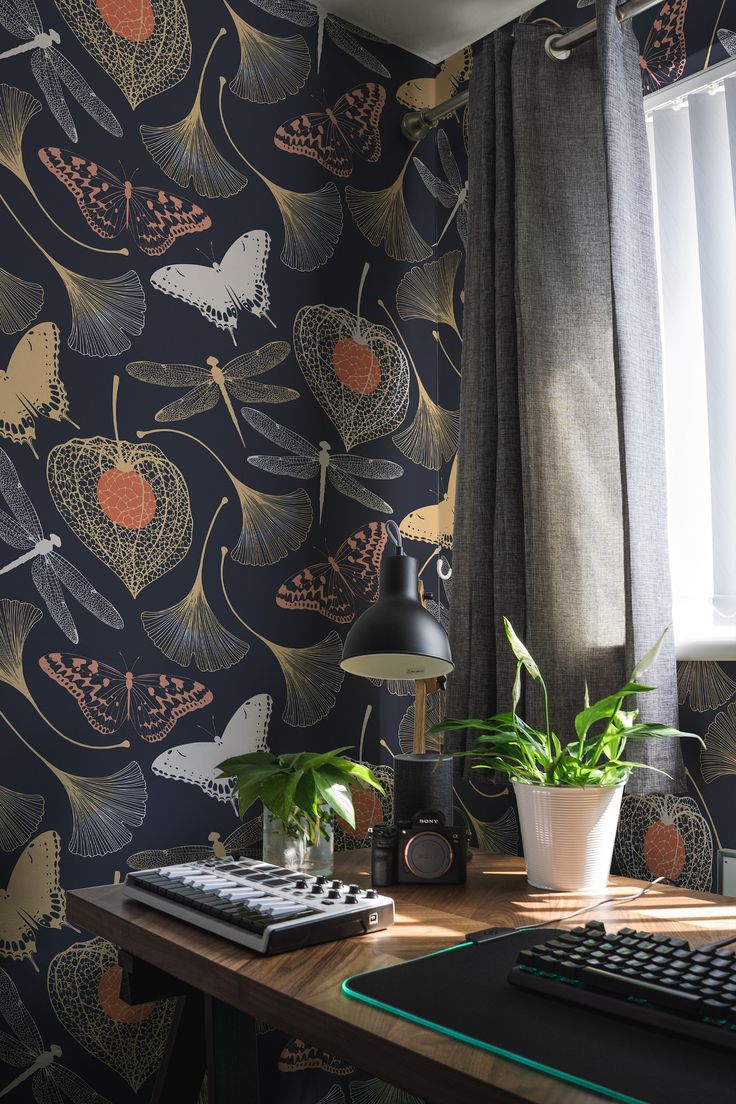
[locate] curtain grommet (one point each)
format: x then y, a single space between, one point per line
551 50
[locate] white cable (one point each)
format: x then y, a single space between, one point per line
578 912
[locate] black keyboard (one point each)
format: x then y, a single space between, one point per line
653 979
266 908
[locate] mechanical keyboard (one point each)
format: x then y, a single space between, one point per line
266 908
653 979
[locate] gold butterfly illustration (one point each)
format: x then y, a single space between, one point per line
30 386
424 92
434 523
33 899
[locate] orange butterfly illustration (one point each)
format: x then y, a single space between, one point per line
154 217
108 697
330 588
664 55
332 136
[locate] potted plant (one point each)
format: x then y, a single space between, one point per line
568 794
300 792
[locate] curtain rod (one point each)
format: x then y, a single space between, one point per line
415 125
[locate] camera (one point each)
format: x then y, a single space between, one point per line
423 850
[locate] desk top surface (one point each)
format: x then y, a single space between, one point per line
300 992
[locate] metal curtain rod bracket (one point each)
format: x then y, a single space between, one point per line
415 125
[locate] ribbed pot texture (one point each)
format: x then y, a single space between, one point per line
568 834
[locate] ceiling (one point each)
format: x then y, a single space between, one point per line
432 29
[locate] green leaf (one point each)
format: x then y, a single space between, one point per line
516 692
334 790
645 730
277 794
605 708
520 650
306 796
646 661
359 773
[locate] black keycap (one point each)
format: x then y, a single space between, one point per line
659 938
682 954
569 969
665 997
715 1009
595 925
678 943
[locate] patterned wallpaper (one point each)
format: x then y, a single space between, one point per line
230 304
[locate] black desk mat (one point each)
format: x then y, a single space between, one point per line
463 992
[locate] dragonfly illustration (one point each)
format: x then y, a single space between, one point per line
342 33
24 1047
207 385
452 192
342 470
55 75
49 570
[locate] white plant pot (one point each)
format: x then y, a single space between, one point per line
568 834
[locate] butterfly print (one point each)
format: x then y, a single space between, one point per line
30 386
221 291
330 588
33 899
155 218
108 697
199 763
663 58
298 1055
332 136
55 75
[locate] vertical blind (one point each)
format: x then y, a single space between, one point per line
692 139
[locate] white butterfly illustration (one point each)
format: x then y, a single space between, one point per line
221 291
246 731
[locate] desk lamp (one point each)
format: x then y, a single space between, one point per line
397 638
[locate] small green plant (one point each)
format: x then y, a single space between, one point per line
507 744
296 788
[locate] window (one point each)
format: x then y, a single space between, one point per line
692 138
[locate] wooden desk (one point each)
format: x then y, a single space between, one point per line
300 992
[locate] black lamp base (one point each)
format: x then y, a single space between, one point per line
421 785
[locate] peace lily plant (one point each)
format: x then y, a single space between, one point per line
568 791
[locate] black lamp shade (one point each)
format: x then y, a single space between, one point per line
397 638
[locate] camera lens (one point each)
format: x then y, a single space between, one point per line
428 855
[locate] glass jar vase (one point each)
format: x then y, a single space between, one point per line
292 849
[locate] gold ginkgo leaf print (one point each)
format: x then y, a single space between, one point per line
718 757
382 217
30 386
20 302
127 503
206 386
428 292
312 675
270 68
20 816
189 630
354 368
103 808
186 152
312 220
432 436
84 987
143 45
104 312
705 684
272 526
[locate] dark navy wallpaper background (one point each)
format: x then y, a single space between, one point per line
230 321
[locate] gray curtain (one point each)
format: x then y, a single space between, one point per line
560 520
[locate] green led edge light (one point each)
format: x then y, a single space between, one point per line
570 1078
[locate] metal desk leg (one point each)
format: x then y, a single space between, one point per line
181 1073
232 1054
